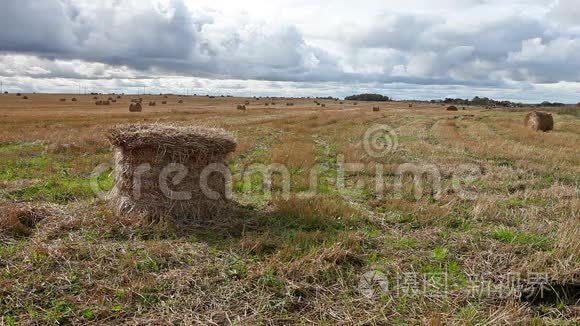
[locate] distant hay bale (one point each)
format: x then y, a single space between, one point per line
63 99
18 94
180 102
355 103
99 102
463 108
452 108
273 103
341 103
247 103
165 96
152 103
25 97
266 104
410 105
110 98
289 104
539 121
323 105
160 146
163 102
241 107
95 98
376 109
118 97
74 99
106 103
135 107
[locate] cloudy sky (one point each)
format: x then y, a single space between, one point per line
524 50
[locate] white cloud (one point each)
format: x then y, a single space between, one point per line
488 45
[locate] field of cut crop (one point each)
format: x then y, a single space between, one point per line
409 215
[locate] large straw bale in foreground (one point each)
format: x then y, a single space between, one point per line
539 121
143 152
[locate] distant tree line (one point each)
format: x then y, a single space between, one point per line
368 97
479 101
554 104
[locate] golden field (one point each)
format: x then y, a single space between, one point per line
301 259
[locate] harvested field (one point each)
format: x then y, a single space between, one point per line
497 215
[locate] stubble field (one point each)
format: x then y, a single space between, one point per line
497 221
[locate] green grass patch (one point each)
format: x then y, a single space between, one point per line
521 238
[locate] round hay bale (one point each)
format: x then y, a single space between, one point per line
341 103
25 97
110 99
74 99
192 149
18 94
106 103
118 97
355 103
95 98
539 121
135 107
376 109
63 99
165 96
410 105
323 105
113 101
180 102
241 107
7 93
163 102
99 102
452 108
152 103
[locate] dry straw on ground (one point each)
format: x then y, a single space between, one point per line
539 121
163 146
